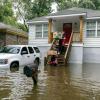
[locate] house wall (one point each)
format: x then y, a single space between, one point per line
14 39
79 54
2 38
91 51
88 52
88 42
91 55
11 39
76 54
31 37
76 49
22 40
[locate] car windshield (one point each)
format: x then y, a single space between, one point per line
13 50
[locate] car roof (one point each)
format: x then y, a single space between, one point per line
21 45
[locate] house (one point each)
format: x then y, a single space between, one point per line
10 35
83 23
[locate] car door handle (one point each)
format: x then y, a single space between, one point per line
34 55
28 56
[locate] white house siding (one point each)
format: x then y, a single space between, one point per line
32 39
31 33
94 42
76 54
91 55
43 51
91 51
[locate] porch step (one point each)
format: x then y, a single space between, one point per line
61 60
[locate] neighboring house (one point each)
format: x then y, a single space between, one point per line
11 36
85 25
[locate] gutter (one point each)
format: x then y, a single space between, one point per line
71 15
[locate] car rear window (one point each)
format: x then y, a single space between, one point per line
36 49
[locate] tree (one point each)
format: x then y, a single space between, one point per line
90 4
41 8
96 3
6 13
23 9
86 4
64 4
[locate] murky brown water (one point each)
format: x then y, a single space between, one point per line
73 82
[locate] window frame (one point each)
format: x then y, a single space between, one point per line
30 49
36 49
96 29
26 49
42 31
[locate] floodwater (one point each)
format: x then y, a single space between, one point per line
72 82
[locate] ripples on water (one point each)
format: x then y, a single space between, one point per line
72 82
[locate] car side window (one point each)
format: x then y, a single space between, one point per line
24 50
30 50
37 50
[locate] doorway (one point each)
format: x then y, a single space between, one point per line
67 28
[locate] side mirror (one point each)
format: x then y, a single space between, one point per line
23 52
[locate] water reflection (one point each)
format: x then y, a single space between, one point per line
72 82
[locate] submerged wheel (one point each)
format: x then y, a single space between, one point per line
14 65
45 61
36 62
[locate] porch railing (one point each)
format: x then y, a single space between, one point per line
66 56
76 37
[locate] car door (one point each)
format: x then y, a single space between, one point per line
37 52
31 54
24 56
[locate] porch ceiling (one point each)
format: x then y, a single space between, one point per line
68 19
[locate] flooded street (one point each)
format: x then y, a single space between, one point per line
72 82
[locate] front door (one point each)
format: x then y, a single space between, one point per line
67 28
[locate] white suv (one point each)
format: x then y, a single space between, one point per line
19 55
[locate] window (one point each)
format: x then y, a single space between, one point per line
41 31
37 50
24 50
93 29
30 50
8 49
98 29
45 31
91 26
38 31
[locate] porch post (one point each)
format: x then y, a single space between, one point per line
81 28
49 30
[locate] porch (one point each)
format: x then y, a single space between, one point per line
55 24
72 27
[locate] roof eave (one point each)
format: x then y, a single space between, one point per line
93 17
70 15
33 22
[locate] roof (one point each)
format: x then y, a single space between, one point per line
66 12
89 13
39 19
12 30
22 45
